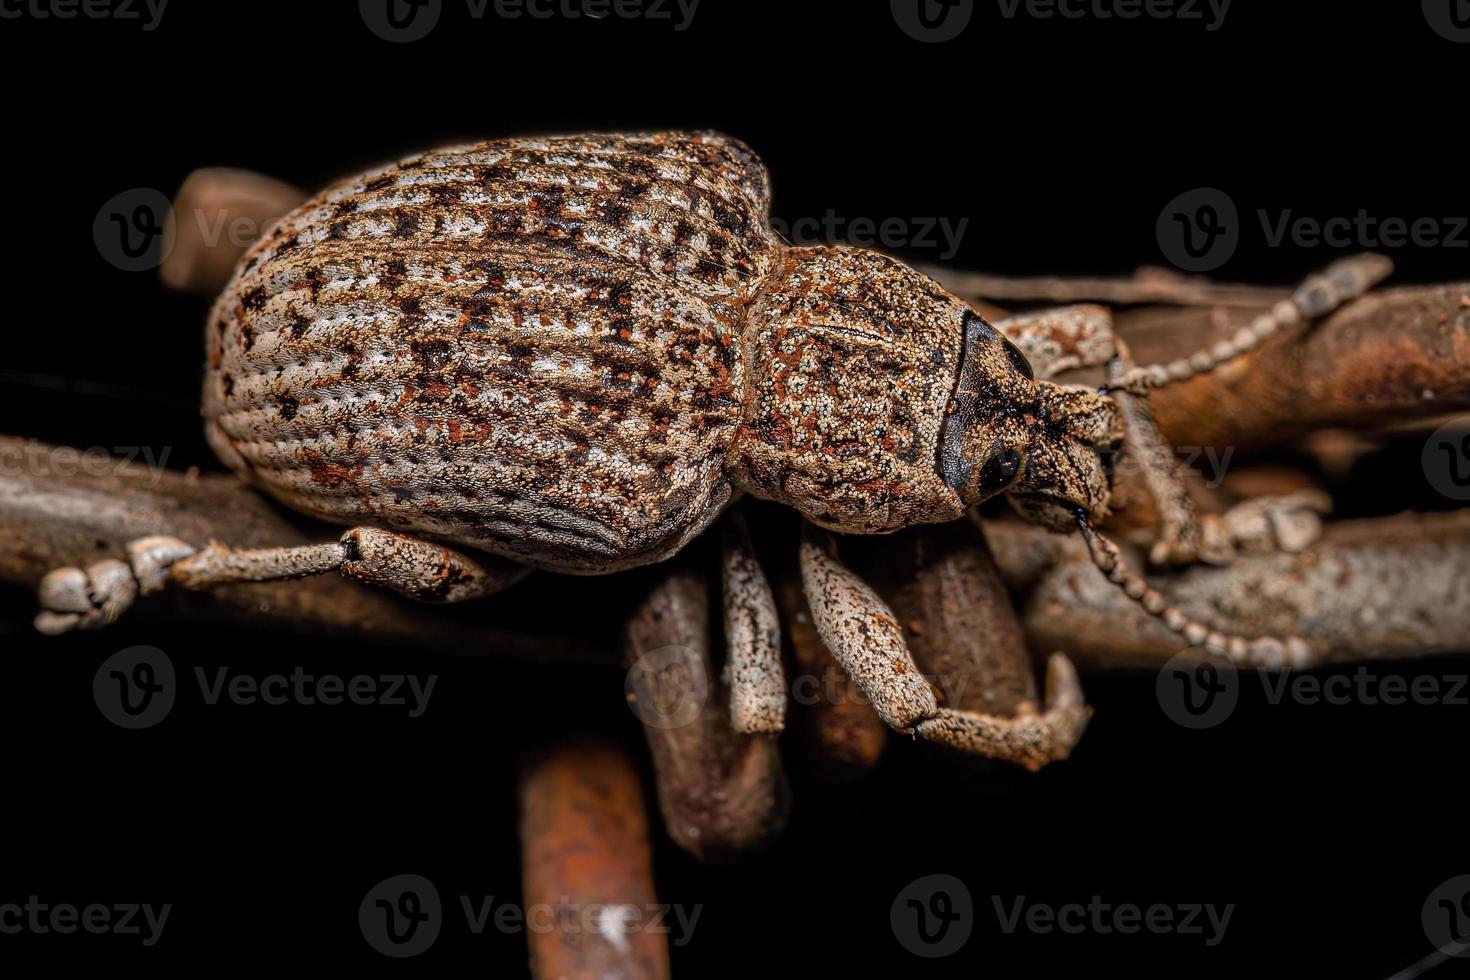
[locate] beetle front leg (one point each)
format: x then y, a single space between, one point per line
1072 337
864 635
752 637
1179 536
73 598
1061 339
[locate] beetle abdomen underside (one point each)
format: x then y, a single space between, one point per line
531 347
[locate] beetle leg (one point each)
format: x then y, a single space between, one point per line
1027 739
864 635
1062 338
1071 337
1179 536
1283 522
73 598
752 637
246 203
722 793
844 737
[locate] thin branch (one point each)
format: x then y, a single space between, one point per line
722 793
588 866
1370 589
1391 356
59 507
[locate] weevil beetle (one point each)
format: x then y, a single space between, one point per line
574 353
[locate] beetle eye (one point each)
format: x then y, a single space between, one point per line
1017 359
999 472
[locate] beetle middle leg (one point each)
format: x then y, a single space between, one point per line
864 636
90 598
753 669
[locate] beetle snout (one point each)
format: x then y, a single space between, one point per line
1071 460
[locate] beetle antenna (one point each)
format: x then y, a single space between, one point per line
1265 651
1344 280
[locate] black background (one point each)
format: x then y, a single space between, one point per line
1060 140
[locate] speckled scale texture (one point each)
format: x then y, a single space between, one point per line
574 352
530 347
854 360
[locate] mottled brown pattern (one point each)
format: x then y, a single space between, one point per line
574 352
853 362
530 347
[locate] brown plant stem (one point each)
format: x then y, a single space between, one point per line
1367 590
587 859
722 793
58 507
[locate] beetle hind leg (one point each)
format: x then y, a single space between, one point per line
91 598
1028 739
864 636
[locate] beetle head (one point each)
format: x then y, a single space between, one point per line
1048 446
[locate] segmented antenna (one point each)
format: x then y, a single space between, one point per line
1344 280
1263 651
